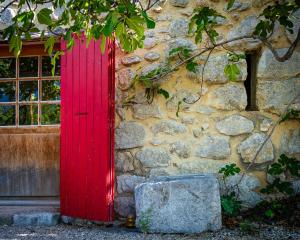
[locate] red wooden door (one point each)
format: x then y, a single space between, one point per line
87 114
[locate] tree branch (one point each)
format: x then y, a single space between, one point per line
151 5
7 6
202 79
288 53
158 77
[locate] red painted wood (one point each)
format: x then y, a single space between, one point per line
87 131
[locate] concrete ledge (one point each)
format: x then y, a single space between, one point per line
42 218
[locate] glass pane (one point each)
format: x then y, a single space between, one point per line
7 116
47 66
28 67
28 90
7 67
7 91
28 114
50 90
50 114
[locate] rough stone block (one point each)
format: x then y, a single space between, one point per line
144 111
274 96
213 147
130 135
248 148
230 96
235 125
179 28
246 27
290 143
189 96
153 157
169 127
124 206
202 165
124 162
181 204
126 183
214 70
269 68
180 3
179 42
42 218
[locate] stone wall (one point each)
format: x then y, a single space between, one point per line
151 140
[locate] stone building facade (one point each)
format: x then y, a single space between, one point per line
218 129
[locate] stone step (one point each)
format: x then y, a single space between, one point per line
41 218
29 215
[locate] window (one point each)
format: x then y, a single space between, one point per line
29 94
250 83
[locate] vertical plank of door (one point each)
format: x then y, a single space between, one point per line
90 129
63 139
83 123
98 171
76 189
111 108
106 122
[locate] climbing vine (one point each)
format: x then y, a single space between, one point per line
286 166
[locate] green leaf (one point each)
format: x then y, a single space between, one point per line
191 66
44 17
275 169
269 213
163 92
70 43
149 21
291 114
103 44
111 22
230 204
204 21
230 4
27 36
230 170
15 45
120 30
178 108
53 60
49 44
235 57
232 71
135 26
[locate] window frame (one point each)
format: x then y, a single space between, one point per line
29 50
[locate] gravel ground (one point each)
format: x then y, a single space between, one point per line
99 232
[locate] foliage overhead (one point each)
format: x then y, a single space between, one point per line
98 19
